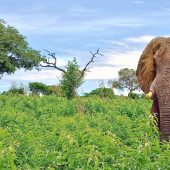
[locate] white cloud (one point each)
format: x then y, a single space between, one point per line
102 73
138 2
120 43
166 9
141 39
128 58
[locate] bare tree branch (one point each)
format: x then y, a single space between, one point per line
55 61
52 64
94 55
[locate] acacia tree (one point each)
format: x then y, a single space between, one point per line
127 80
15 52
72 76
37 88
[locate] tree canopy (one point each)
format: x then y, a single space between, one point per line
15 52
127 80
37 88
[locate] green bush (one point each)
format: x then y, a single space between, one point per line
71 79
37 88
54 90
134 95
142 96
48 133
102 93
14 91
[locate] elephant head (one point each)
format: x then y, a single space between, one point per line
153 74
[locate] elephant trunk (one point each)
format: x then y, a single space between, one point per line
165 126
164 107
161 90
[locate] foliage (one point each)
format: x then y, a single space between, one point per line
142 96
55 90
127 79
134 96
15 52
47 133
71 79
37 88
102 93
14 91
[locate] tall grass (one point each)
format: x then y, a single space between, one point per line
84 133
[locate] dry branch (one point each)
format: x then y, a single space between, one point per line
55 62
52 64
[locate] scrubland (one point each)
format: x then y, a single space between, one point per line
84 133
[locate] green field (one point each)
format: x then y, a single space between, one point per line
85 133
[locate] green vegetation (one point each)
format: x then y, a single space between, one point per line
37 88
102 93
72 75
71 79
14 91
15 52
127 80
134 95
84 133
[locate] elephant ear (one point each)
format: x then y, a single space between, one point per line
145 69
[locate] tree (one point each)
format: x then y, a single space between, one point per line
73 76
134 96
37 88
55 90
15 89
15 52
71 79
127 80
102 93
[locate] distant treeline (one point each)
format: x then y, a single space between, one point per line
38 88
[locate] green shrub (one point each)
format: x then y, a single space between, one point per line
102 93
142 96
14 91
47 133
134 95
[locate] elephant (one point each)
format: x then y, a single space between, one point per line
153 73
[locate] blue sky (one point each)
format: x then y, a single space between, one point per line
121 29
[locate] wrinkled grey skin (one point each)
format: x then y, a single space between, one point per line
158 76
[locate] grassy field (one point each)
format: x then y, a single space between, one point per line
51 133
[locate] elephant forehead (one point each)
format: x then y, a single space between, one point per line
168 39
145 69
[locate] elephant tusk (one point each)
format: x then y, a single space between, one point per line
149 95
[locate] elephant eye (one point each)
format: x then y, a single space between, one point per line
154 65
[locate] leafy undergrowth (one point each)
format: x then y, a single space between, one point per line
85 133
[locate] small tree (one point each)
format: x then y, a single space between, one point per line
72 77
127 80
15 89
15 52
37 88
55 90
134 96
102 93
